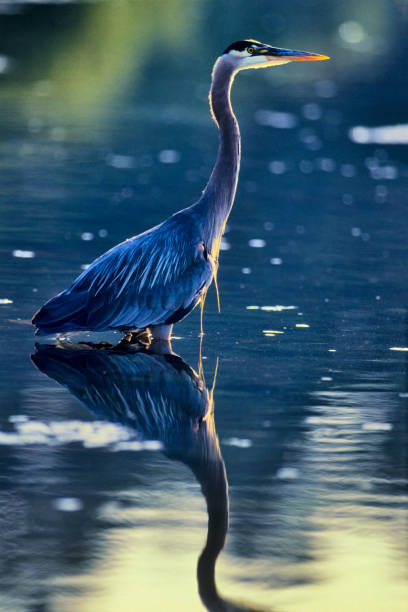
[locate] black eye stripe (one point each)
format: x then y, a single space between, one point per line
239 45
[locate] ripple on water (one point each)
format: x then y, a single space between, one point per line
278 308
287 473
257 243
277 167
238 442
169 156
276 119
23 254
271 333
122 162
93 434
376 426
68 504
387 134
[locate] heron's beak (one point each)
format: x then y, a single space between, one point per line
273 54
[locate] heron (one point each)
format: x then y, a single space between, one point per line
152 281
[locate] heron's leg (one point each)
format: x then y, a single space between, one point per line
161 332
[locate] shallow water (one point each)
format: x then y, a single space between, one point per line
113 469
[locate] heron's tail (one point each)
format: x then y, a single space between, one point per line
64 312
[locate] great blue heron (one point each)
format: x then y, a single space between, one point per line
153 280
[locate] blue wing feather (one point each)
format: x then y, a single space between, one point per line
143 281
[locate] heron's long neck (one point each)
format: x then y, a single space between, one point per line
218 197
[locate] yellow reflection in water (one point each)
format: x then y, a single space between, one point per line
361 573
146 568
151 568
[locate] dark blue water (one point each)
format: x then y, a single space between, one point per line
117 470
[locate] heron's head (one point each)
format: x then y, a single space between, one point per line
249 53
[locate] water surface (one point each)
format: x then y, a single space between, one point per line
118 470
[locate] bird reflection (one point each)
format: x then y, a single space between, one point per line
160 397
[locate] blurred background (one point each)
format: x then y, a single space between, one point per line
104 132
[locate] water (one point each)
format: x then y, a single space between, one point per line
108 461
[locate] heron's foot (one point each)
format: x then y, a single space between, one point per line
135 338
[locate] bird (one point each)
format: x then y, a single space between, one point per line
149 282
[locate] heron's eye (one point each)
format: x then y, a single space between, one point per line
251 50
